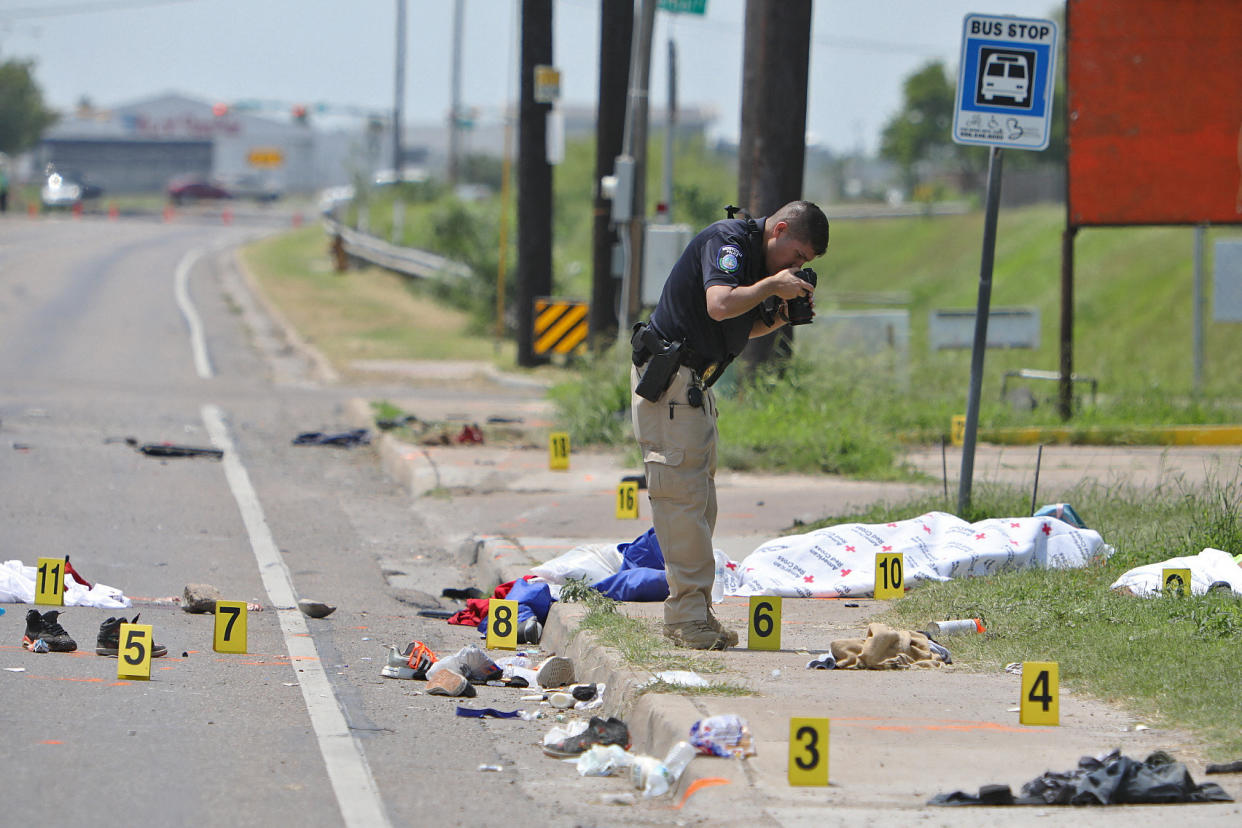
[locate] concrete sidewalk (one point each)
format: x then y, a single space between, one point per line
897 738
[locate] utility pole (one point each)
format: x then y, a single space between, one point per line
670 134
398 105
534 277
454 135
636 148
616 28
772 145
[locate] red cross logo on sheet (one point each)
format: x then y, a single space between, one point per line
981 536
886 549
1046 529
849 549
1014 542
1015 525
807 579
926 528
845 572
892 526
731 565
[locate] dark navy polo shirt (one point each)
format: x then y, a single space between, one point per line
720 255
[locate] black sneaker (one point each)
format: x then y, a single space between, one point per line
45 627
109 641
599 731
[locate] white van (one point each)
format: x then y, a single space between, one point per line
1005 76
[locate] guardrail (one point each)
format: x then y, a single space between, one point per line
408 261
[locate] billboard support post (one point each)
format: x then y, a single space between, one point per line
995 167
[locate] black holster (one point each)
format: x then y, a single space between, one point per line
661 359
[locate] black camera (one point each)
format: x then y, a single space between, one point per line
799 309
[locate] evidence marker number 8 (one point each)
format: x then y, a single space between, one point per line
502 624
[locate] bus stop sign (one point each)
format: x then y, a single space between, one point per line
1005 81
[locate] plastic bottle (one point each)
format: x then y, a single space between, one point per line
678 758
656 778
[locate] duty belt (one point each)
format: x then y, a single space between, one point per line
647 343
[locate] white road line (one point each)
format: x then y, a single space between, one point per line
356 792
198 342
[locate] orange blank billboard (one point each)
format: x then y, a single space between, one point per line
1155 111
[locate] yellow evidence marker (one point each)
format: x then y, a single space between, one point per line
764 629
1040 703
230 627
502 624
50 582
558 451
808 751
1175 582
134 656
957 430
627 500
890 575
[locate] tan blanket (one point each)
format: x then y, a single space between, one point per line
884 648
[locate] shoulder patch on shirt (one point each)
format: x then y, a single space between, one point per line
729 258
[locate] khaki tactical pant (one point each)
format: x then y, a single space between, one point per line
678 444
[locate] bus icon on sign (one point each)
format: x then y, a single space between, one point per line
1006 75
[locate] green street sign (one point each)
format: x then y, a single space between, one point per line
683 6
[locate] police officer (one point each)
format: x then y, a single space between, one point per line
721 292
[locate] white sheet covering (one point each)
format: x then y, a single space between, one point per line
840 560
1206 568
17 585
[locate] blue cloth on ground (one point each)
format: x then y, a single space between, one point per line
641 577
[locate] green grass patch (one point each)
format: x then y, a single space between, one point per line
638 642
361 314
1169 661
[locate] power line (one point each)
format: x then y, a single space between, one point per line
31 13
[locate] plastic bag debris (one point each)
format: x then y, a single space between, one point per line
683 678
727 736
603 760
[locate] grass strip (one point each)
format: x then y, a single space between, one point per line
1170 662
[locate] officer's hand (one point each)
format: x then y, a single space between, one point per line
789 286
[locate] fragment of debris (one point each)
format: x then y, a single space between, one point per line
1108 779
341 439
166 449
315 609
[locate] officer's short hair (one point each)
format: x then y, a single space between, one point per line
807 223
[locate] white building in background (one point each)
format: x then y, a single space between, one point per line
139 146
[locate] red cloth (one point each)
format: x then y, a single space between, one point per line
476 608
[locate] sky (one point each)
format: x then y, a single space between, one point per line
342 53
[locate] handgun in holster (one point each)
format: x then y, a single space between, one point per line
660 358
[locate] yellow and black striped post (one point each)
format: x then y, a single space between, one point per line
560 326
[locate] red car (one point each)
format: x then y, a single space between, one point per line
195 188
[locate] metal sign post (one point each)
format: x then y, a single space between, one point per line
1004 99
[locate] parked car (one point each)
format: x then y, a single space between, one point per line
190 188
254 187
66 189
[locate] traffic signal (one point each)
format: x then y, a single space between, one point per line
219 109
299 113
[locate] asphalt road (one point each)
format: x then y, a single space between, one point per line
115 329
